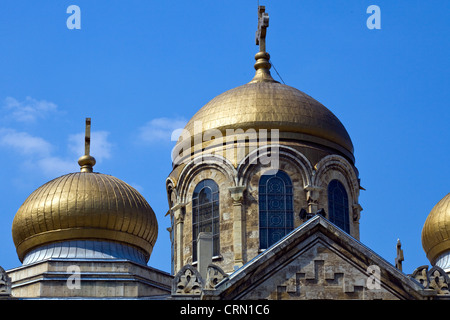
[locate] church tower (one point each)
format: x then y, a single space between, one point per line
255 163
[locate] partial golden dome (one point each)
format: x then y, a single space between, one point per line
436 230
85 206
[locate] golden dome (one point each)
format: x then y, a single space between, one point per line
84 206
271 105
436 230
264 103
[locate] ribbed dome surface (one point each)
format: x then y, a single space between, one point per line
271 105
436 230
81 206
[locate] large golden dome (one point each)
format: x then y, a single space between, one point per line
264 104
436 230
271 105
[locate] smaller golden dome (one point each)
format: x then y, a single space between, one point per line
85 206
436 230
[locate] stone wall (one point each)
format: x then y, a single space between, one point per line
239 216
88 279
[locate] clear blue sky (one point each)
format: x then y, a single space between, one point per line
142 68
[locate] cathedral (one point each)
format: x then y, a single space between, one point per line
263 202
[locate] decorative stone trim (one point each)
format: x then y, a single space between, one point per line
5 283
187 282
434 279
214 275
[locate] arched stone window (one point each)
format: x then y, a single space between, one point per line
205 214
276 209
338 205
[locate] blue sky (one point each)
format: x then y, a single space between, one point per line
142 68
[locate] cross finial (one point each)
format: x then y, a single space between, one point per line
399 259
87 138
263 23
262 58
86 162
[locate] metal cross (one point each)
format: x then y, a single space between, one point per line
87 138
263 23
400 258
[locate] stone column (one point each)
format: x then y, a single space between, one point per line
237 195
179 211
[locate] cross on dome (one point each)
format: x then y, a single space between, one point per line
263 23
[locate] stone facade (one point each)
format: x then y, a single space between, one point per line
315 261
238 188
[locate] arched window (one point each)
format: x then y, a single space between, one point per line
338 205
205 213
276 209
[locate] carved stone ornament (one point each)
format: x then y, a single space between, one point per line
5 283
187 282
435 279
214 275
421 276
439 280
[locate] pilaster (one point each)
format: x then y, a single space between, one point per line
237 195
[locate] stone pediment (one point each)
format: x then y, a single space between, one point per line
317 261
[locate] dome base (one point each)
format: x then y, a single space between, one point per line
85 249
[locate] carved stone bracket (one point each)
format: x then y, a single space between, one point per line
179 212
214 275
356 208
237 194
187 282
435 279
312 197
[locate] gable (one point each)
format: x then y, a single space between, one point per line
318 261
319 271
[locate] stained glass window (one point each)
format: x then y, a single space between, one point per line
276 208
338 205
205 213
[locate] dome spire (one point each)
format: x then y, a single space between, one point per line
262 65
86 162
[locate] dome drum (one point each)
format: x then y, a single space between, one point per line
86 249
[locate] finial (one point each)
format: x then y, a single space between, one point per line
86 162
262 65
263 24
400 258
